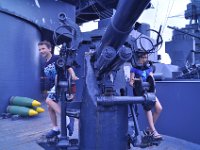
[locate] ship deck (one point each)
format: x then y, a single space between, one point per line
22 134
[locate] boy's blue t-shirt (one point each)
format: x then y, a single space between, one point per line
142 72
50 69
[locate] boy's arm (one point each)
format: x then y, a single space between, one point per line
72 73
132 76
151 74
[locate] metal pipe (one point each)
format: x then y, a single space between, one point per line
120 100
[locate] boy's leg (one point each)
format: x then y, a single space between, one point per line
158 109
53 108
152 128
150 120
53 105
55 131
53 116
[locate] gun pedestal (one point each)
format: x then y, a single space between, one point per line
64 141
61 90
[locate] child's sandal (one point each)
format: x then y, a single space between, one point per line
147 132
156 135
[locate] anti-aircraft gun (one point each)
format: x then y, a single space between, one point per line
103 116
104 109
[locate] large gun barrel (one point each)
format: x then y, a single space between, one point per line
128 11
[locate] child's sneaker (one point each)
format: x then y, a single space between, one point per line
52 134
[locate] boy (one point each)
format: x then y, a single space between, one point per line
50 73
143 71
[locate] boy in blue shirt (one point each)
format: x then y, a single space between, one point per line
142 71
51 73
